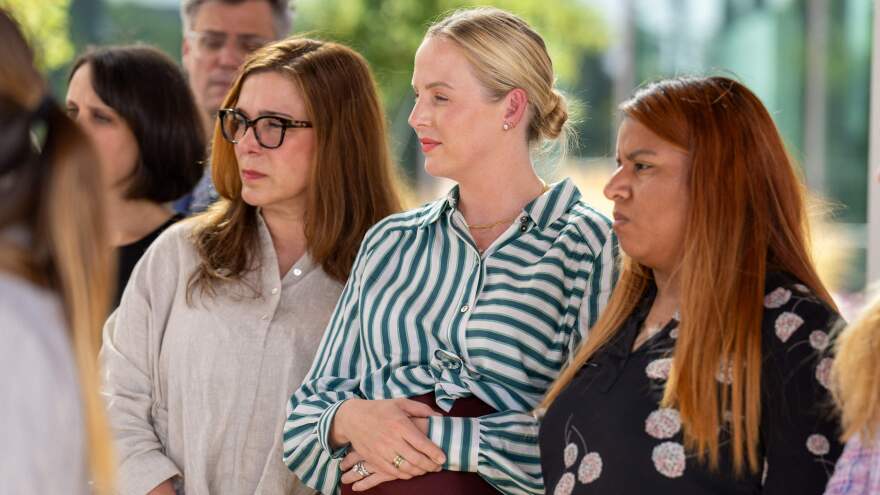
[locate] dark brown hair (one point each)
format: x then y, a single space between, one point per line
151 94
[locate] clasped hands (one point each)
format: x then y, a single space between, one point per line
389 441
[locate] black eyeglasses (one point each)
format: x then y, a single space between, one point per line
268 129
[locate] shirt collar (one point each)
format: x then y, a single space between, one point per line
542 211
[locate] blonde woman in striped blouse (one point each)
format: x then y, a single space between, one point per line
458 315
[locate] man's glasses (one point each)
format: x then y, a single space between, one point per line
214 41
268 129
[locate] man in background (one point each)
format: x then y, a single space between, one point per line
217 36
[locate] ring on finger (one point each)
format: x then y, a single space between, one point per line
361 469
398 460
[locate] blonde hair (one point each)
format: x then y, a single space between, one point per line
506 54
856 375
351 186
746 217
52 195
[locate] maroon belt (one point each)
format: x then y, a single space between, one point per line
442 482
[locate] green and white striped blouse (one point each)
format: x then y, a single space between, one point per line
424 312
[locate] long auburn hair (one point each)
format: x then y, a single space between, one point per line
50 193
746 216
351 185
856 375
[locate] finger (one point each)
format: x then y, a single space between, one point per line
350 460
371 481
352 476
349 477
414 462
417 409
424 446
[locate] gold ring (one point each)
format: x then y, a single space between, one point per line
398 460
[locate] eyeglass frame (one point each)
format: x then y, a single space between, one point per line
198 36
248 124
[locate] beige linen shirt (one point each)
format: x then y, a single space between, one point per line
199 391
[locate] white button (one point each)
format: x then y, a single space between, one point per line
264 317
297 272
465 308
275 290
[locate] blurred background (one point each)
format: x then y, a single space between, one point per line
808 60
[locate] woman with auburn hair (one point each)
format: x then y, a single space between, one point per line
855 377
705 373
55 272
459 314
223 315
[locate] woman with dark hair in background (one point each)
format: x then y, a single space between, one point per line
706 373
222 317
54 288
135 104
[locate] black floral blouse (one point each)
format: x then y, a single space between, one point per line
606 432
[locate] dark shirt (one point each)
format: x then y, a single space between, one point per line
130 254
607 433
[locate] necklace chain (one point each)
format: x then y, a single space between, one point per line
506 221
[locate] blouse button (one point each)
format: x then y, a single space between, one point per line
297 272
465 308
275 290
264 317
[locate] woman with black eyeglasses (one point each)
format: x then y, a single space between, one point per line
223 315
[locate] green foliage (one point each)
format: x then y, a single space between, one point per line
388 32
45 24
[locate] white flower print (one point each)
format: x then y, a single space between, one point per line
802 288
659 369
669 459
764 474
663 423
777 298
570 455
590 468
818 444
819 340
565 485
823 371
673 333
786 324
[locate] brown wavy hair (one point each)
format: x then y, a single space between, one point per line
50 192
351 186
746 216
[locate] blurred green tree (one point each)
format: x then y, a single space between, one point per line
388 32
46 26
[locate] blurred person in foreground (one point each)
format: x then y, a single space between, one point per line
459 314
856 379
221 319
217 36
55 270
135 104
707 373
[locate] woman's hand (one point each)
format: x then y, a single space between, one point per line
375 477
381 430
164 488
